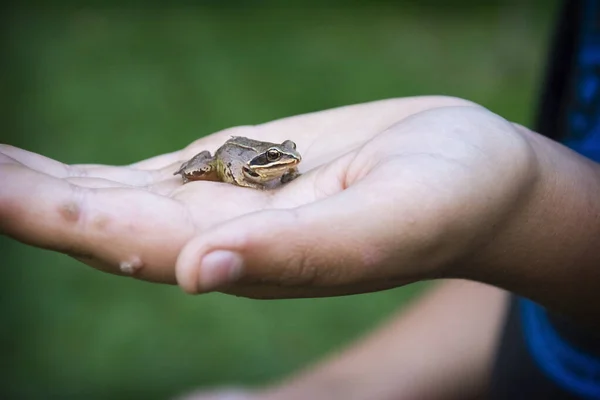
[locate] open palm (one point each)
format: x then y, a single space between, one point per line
136 220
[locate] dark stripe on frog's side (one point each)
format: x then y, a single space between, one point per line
224 171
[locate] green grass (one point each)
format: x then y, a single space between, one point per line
115 85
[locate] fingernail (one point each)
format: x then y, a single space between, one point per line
219 268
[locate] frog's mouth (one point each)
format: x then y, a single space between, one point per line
251 173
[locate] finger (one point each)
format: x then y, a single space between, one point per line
4 159
125 175
57 169
336 243
135 232
36 161
278 291
95 183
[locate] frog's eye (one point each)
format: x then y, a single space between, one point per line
290 144
273 154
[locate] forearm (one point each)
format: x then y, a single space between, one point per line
550 249
441 348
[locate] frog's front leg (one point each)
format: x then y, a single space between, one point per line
198 168
289 176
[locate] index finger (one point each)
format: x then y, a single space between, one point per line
131 230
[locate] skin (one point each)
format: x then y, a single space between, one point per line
436 187
441 347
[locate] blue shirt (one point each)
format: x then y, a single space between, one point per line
568 366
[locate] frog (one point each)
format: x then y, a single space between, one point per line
245 162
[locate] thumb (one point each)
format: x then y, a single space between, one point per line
338 243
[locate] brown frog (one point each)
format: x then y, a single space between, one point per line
245 162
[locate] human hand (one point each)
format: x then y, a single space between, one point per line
392 192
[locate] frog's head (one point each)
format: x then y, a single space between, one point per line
272 162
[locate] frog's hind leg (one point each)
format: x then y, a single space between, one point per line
198 168
200 160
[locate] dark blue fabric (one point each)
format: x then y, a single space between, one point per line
568 367
582 132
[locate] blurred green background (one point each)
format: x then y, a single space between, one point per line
118 83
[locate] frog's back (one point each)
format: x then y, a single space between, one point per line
238 149
232 153
242 141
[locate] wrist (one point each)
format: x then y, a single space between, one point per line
547 248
